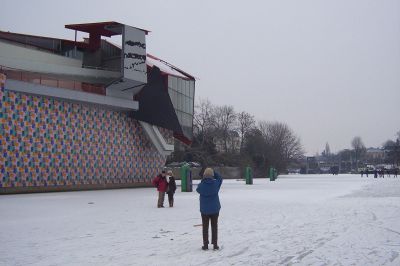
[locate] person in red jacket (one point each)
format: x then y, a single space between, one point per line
160 182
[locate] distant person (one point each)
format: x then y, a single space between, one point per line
160 182
210 205
395 172
171 188
362 173
375 173
388 172
366 172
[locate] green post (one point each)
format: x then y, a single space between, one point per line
248 176
271 174
184 177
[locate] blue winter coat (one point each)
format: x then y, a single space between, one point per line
208 190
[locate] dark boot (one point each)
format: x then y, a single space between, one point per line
205 247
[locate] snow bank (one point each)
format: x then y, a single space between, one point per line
305 220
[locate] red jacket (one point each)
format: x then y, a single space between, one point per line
160 182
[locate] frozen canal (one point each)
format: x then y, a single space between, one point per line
296 220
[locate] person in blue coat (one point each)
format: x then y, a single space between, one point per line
210 205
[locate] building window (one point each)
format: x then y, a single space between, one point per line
181 92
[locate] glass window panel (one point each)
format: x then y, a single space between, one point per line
191 88
179 85
179 102
191 107
183 103
175 100
171 95
169 81
174 83
187 104
181 117
183 87
186 120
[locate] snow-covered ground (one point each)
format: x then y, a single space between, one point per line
304 220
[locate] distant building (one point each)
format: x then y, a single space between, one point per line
375 155
88 114
312 165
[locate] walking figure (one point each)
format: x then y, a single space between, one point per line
210 205
160 182
171 188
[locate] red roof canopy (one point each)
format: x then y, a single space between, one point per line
102 28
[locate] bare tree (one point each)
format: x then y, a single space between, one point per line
225 119
358 147
246 123
284 147
203 119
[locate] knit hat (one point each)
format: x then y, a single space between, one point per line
208 173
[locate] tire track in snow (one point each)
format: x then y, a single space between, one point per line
394 256
238 253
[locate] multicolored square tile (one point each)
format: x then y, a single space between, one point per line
49 142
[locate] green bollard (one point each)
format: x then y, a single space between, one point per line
271 174
248 176
184 177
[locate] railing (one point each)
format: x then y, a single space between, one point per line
46 80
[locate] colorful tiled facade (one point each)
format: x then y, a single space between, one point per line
46 142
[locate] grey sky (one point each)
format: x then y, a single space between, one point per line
329 69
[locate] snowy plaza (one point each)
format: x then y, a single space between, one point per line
296 220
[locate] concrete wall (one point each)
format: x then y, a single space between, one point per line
22 58
72 95
51 145
226 172
16 52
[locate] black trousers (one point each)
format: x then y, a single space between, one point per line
214 228
171 199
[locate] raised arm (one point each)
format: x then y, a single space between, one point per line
218 178
198 189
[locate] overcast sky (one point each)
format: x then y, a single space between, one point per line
329 69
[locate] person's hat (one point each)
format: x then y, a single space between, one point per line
208 173
163 171
169 172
